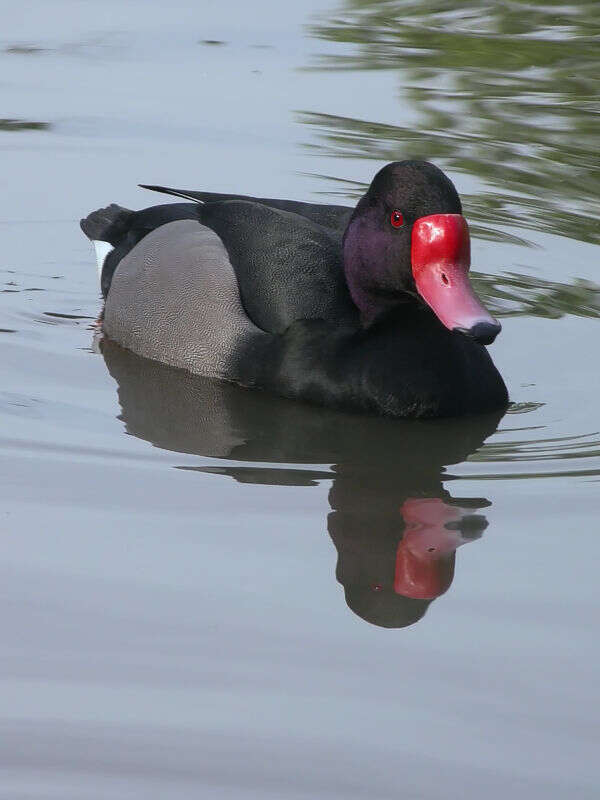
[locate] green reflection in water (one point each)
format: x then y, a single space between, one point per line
506 91
24 50
22 125
512 294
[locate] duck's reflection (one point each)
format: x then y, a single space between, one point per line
394 561
396 529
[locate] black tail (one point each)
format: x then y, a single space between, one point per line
108 224
196 197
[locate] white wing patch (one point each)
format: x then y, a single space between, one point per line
102 250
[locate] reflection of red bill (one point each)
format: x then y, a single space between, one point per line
426 554
441 258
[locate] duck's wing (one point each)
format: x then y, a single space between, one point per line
287 266
328 216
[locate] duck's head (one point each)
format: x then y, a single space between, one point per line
408 237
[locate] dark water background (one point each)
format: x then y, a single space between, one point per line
199 584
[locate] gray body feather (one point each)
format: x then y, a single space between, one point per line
175 299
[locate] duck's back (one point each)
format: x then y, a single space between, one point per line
288 266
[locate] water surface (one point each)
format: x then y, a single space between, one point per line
215 593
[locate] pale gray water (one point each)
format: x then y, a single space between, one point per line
173 626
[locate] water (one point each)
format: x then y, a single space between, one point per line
202 586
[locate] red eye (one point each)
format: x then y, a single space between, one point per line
396 219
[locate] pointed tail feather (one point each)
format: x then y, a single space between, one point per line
195 197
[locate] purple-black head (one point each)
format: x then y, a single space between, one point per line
407 236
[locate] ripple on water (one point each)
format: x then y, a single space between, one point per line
576 455
507 92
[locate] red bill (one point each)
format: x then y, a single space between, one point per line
441 258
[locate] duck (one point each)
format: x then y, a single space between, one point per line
366 309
